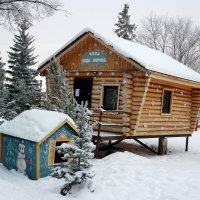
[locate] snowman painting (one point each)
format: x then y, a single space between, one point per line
21 158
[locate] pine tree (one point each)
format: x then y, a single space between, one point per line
57 87
77 170
3 91
124 29
59 98
20 74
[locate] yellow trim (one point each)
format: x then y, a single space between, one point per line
171 100
55 129
102 93
37 160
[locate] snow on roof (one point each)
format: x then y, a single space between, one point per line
34 124
149 58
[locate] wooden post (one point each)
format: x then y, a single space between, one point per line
196 125
109 146
186 143
162 146
98 135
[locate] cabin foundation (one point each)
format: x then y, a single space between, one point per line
112 139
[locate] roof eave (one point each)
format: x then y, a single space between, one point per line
174 79
66 121
43 65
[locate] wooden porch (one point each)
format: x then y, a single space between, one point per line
112 139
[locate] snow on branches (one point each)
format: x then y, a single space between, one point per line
59 98
76 169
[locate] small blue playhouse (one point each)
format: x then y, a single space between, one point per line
27 143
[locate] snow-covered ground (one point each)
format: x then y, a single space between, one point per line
123 176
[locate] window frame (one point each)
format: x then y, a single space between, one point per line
51 153
171 100
102 93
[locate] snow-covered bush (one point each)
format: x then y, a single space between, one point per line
77 167
76 170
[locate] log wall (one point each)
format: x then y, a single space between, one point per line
153 122
142 98
125 84
195 108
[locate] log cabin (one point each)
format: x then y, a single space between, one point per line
160 96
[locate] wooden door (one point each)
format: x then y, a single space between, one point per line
83 90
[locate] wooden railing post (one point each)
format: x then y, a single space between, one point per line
98 134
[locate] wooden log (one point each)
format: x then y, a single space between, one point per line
110 129
162 146
159 132
164 125
160 120
139 129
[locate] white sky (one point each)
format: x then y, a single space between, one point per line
51 33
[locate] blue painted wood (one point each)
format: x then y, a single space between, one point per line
95 57
14 158
20 154
45 170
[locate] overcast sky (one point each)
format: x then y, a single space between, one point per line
51 33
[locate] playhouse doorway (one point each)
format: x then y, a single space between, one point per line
83 90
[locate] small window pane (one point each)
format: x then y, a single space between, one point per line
166 104
110 97
58 157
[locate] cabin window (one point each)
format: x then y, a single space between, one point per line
167 101
110 97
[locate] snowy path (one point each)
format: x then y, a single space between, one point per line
123 176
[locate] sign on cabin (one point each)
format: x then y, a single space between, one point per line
95 57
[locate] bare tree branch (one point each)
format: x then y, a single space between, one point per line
176 37
15 11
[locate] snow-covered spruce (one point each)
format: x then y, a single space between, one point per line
3 91
59 98
124 29
77 156
20 75
77 167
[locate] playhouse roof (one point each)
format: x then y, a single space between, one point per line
34 125
150 59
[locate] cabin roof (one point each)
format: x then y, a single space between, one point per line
151 59
35 124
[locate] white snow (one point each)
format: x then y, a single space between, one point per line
34 124
149 58
122 176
